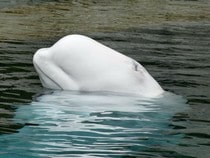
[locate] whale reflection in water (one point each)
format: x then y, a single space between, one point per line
97 124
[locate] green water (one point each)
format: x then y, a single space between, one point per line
171 38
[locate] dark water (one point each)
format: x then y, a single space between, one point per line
170 38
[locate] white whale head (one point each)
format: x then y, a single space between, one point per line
78 62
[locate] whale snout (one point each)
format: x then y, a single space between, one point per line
41 61
41 55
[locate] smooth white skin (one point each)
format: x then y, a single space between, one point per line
78 62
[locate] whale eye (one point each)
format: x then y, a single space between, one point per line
135 66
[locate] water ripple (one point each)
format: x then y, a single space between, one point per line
170 38
71 124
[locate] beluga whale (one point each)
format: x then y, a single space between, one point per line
79 63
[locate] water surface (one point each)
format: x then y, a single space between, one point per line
70 124
171 38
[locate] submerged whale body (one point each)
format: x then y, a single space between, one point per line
80 63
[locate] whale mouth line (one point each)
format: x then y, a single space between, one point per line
37 66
